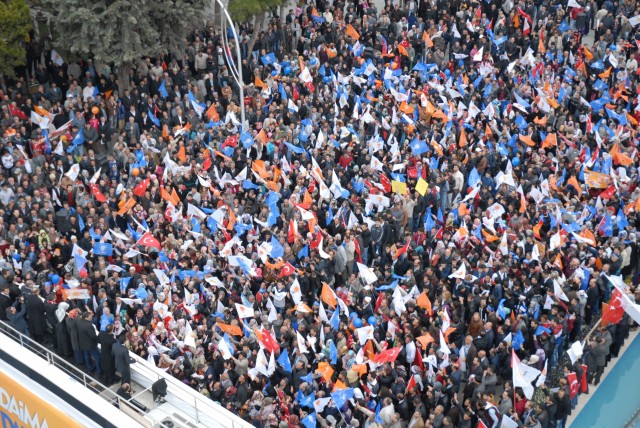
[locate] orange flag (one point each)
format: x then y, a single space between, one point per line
540 121
338 386
427 39
487 131
536 230
552 102
424 302
173 197
307 200
351 32
550 140
259 83
605 74
232 218
558 262
212 113
258 167
127 206
463 138
597 180
40 111
462 209
523 204
587 53
527 140
328 296
165 131
425 340
489 237
274 266
233 330
324 368
182 155
107 94
361 369
262 137
573 181
587 234
402 50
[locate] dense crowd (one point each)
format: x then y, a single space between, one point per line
421 197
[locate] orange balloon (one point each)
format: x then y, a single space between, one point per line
95 110
135 172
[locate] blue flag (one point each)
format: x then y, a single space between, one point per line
308 400
277 250
268 59
501 312
542 330
304 253
124 283
154 119
586 277
607 227
78 140
429 223
103 249
335 319
340 397
80 223
283 93
309 421
308 378
474 177
163 90
329 216
333 353
248 185
283 360
246 139
518 340
621 219
419 147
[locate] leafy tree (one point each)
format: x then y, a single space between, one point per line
15 24
245 10
121 31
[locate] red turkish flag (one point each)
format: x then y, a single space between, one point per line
291 234
608 192
296 94
384 180
95 191
613 312
207 163
358 252
574 385
287 270
584 385
387 356
269 342
379 300
412 383
148 240
402 250
141 188
316 242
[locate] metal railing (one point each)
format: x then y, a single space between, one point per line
92 384
202 405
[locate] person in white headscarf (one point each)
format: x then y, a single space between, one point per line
63 339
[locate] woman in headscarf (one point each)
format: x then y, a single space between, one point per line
63 339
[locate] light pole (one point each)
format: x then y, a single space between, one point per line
236 69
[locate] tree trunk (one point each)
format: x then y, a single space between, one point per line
258 28
123 78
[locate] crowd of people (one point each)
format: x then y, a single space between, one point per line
426 204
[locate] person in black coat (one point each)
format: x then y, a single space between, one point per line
36 316
62 336
122 361
72 326
5 301
106 340
50 307
88 342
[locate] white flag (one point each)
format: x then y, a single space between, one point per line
73 172
244 311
